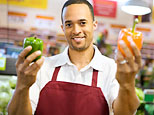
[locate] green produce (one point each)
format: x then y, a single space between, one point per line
36 43
5 88
140 94
5 98
149 108
12 82
6 91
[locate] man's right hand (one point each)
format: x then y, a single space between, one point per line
26 70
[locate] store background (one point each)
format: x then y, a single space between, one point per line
22 18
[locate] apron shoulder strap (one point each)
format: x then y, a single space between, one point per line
94 78
54 77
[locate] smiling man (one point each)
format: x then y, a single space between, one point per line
80 80
78 26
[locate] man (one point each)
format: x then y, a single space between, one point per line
79 81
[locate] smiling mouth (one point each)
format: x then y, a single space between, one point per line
78 39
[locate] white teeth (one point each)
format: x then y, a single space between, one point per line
78 39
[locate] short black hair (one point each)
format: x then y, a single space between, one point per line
70 2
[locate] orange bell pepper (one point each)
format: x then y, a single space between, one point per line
127 35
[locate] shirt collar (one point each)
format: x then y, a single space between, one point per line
98 61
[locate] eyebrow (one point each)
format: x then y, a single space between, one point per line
82 20
69 21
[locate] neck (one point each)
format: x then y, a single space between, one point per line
81 58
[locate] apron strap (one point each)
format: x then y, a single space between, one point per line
94 78
54 77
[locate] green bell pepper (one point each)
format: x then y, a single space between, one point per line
36 43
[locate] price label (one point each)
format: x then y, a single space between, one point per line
44 22
17 17
2 63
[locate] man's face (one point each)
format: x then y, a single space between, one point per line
78 26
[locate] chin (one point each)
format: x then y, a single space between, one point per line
80 48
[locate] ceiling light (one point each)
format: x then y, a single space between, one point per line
136 7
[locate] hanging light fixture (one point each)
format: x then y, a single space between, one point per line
136 7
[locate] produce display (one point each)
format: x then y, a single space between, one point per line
140 94
36 43
6 92
128 35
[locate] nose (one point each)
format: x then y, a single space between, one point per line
76 29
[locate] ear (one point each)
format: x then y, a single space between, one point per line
62 27
95 25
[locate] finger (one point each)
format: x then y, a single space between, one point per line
30 58
22 55
121 67
137 54
129 56
118 56
34 68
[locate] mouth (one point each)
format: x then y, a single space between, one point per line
78 39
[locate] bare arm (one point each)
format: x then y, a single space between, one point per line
127 101
26 72
20 103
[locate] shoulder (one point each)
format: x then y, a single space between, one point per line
107 61
45 73
52 61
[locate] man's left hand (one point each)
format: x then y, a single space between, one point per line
127 66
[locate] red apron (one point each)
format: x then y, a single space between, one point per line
64 98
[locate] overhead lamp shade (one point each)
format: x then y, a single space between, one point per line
136 7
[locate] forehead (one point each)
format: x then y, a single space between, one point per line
76 12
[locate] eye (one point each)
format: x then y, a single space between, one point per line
83 23
68 25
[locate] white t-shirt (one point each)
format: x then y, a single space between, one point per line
69 73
